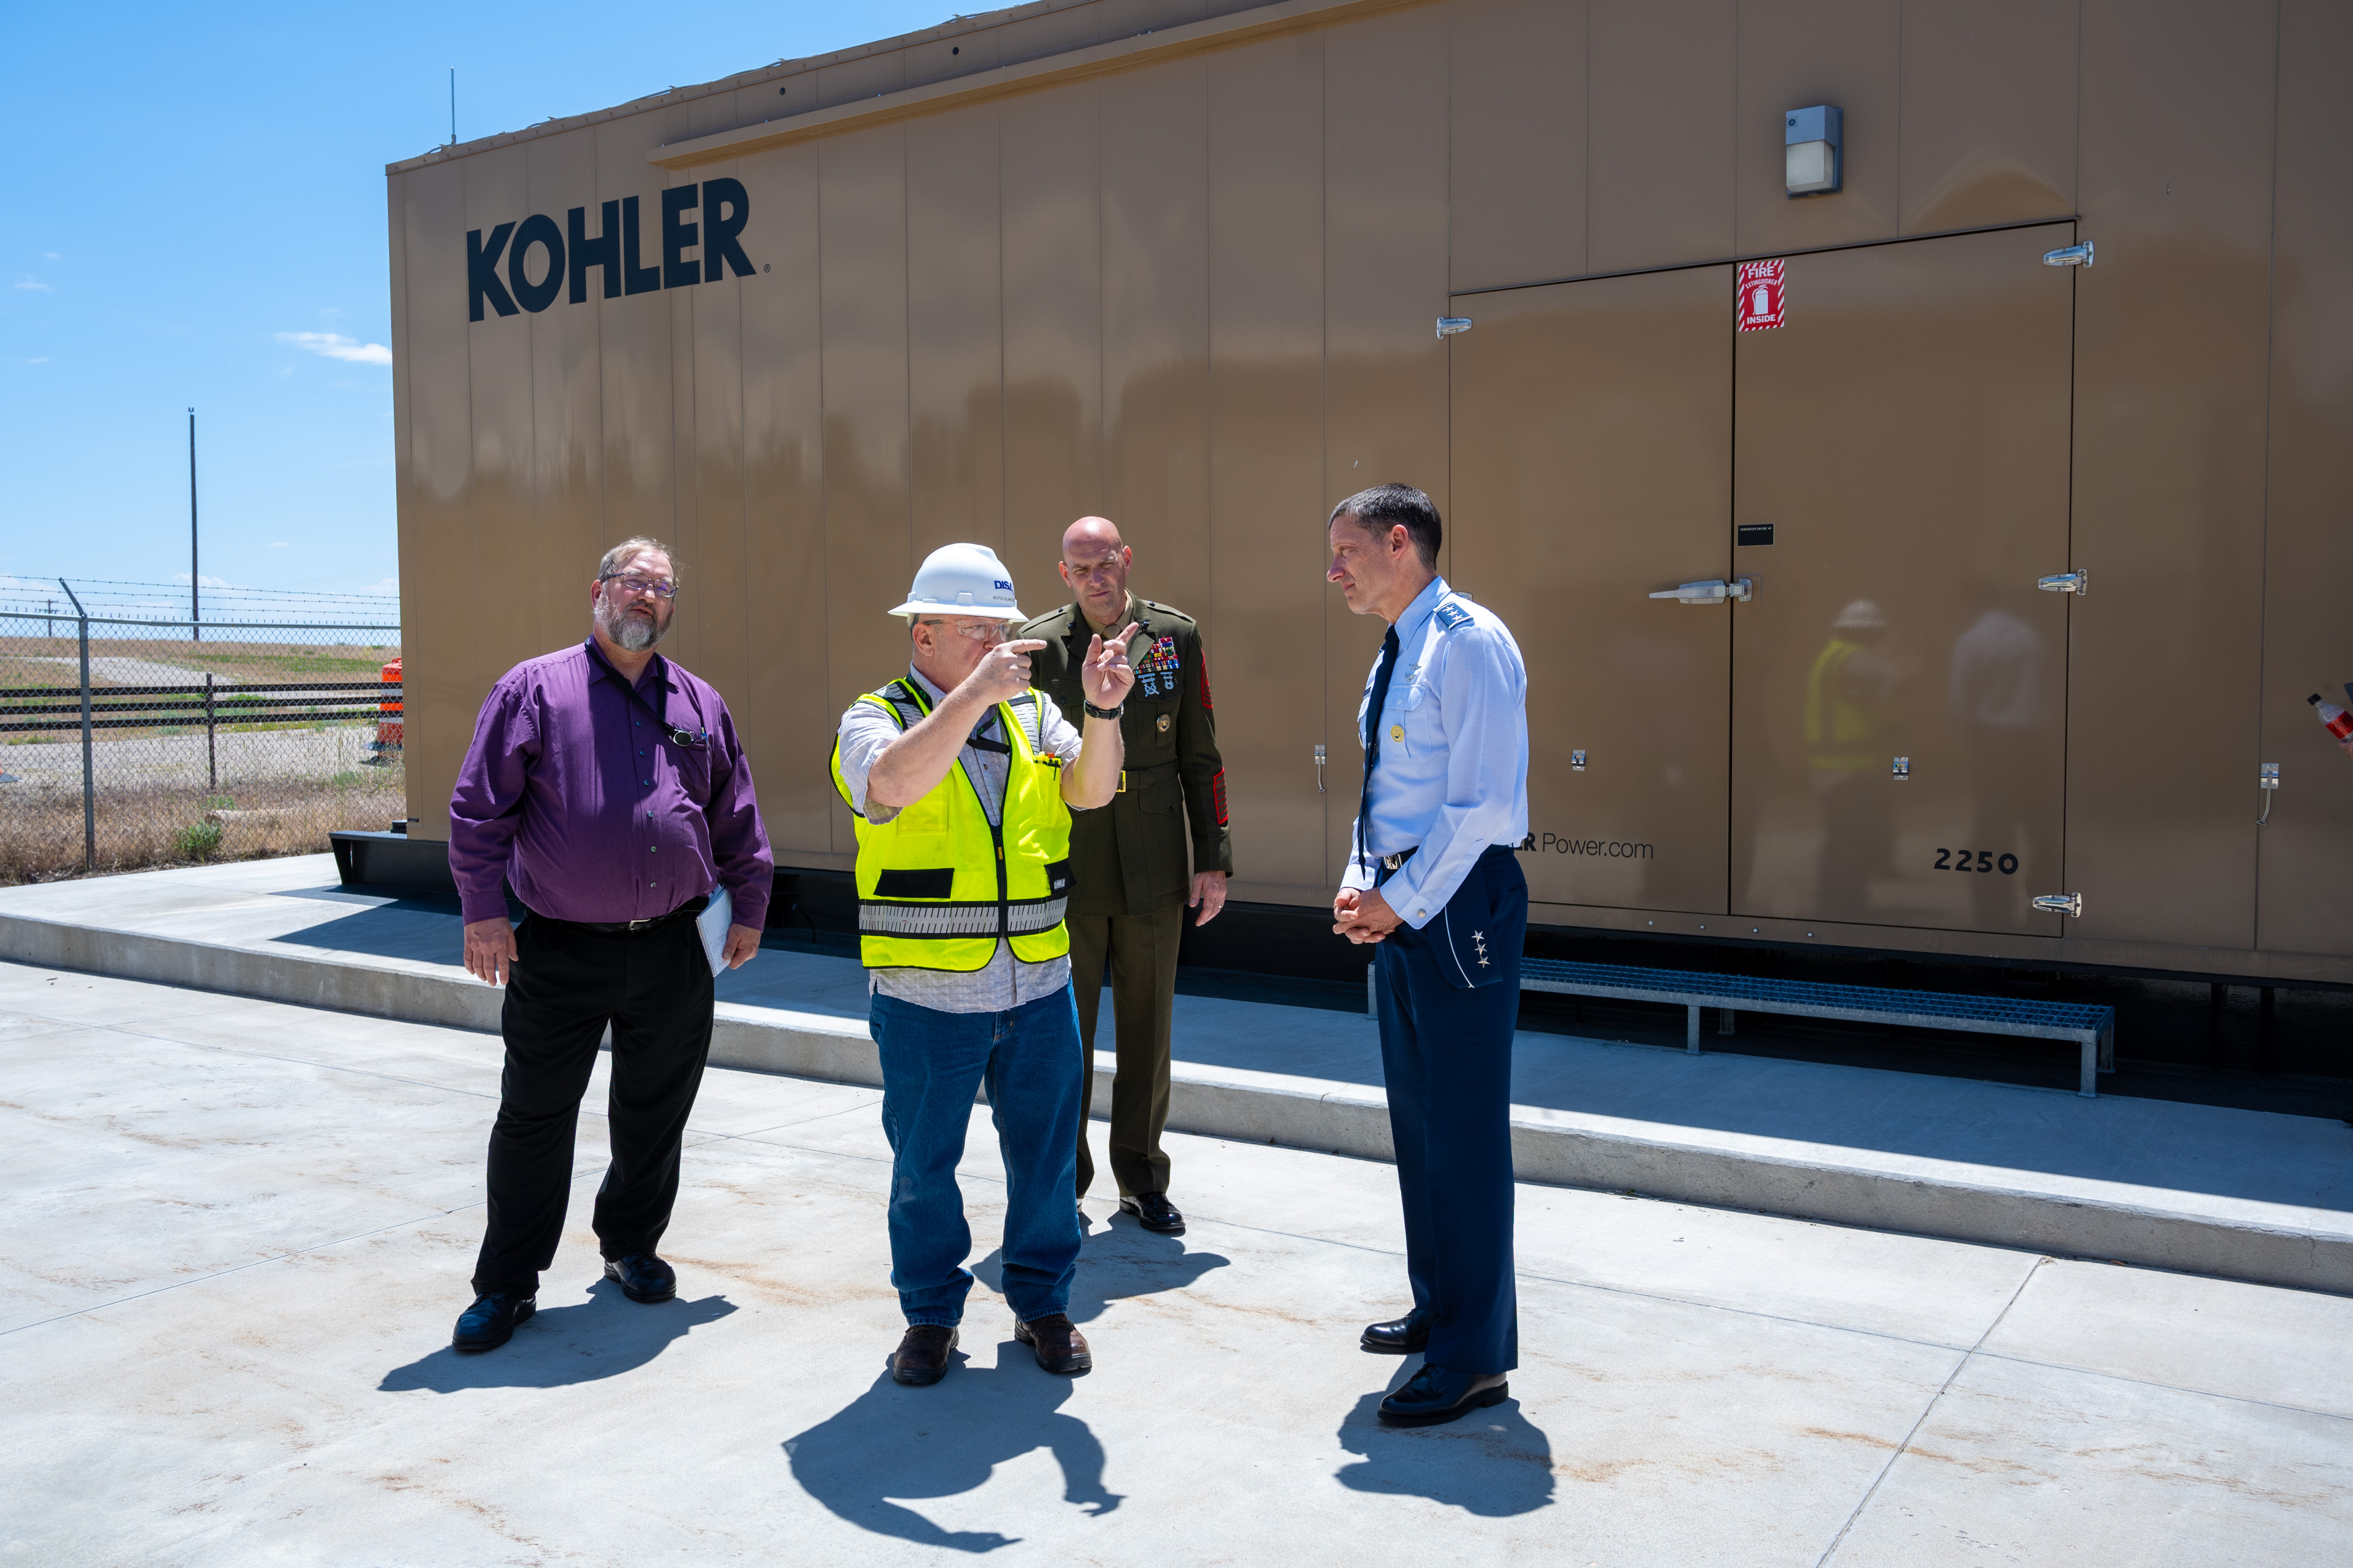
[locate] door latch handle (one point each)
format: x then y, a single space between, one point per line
2077 582
2069 256
2267 780
2061 904
1319 771
1715 591
1448 326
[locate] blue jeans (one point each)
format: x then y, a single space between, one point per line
932 1063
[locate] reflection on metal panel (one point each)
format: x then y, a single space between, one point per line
1266 457
1898 682
1592 466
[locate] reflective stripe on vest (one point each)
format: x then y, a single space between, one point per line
938 885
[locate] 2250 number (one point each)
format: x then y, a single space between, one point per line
1976 860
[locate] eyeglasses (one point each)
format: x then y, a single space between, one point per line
660 587
989 632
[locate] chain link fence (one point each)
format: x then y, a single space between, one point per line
129 740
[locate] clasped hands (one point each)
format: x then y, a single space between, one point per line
1363 915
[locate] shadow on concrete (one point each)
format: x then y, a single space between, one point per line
1117 1260
602 1337
894 1443
427 930
1491 1463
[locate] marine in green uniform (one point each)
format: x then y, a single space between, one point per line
1132 875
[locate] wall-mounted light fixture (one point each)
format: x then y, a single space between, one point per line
1810 156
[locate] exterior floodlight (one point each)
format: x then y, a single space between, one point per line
1810 156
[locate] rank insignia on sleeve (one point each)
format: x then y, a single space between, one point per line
1453 617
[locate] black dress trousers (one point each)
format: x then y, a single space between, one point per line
654 986
1448 997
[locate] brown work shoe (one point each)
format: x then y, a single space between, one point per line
1058 1345
922 1354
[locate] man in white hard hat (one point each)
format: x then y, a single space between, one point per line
963 777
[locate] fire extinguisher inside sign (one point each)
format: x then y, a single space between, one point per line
1761 294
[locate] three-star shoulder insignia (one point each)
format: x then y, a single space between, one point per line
1453 616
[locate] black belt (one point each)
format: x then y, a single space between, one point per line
691 907
1145 774
1390 865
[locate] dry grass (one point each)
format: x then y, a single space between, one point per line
144 827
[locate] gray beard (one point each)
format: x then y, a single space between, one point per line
633 634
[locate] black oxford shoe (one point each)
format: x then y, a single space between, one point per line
642 1277
1398 1336
490 1321
922 1354
1435 1394
1154 1212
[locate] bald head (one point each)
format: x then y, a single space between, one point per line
1094 565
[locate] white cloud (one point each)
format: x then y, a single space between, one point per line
382 586
43 360
276 544
52 255
334 345
36 283
203 582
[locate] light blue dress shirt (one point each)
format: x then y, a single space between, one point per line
1453 774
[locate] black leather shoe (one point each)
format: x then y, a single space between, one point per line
490 1321
1398 1336
1154 1212
1434 1395
643 1277
1057 1344
922 1354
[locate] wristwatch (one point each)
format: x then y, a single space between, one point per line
1095 712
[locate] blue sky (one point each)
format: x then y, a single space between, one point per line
196 215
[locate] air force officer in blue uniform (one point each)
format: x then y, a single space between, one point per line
1433 880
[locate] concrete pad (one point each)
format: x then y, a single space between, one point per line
1708 1387
2210 1336
2243 1195
2027 1464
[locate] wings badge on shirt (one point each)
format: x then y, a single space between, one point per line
1157 671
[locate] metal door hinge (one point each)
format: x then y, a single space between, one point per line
2061 903
2069 256
1902 769
2077 582
1450 325
1319 771
1715 591
2266 780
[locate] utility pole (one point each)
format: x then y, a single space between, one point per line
195 613
453 106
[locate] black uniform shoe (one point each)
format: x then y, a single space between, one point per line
1398 1336
1154 1212
490 1321
1434 1395
643 1277
1057 1344
922 1354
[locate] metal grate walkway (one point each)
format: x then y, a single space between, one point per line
2091 1028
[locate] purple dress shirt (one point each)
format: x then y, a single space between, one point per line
575 793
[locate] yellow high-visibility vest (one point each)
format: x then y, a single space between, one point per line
939 885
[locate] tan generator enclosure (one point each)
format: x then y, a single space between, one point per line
1887 558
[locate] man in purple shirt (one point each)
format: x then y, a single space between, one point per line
607 785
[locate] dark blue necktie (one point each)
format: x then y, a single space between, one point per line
1381 673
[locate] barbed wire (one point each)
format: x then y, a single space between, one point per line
165 604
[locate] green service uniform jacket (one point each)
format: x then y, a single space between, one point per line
1130 859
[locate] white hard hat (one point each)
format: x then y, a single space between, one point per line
961 580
